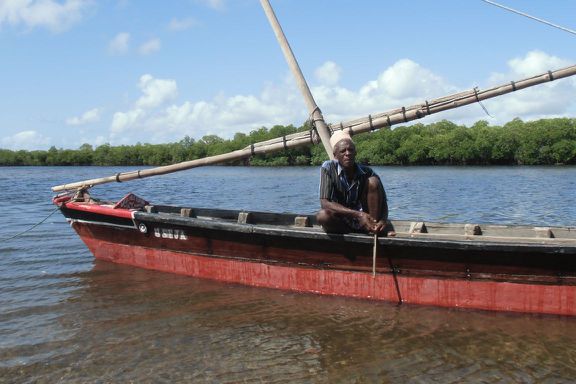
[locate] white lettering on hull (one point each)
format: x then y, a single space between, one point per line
169 233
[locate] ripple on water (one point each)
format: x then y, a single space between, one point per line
66 318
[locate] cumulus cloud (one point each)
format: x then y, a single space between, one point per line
552 99
182 24
403 84
535 62
27 140
328 73
91 116
50 14
157 117
120 43
149 47
155 91
121 121
407 83
407 78
152 120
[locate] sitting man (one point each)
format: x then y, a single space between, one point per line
352 198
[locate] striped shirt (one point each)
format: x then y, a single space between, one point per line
335 187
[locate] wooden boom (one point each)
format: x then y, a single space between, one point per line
372 122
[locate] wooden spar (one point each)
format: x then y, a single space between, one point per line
211 160
313 109
387 119
404 115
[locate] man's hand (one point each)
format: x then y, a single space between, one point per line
373 226
366 222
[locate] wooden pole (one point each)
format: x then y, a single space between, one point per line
387 119
313 109
415 112
282 144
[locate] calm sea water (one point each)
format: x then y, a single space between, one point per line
66 318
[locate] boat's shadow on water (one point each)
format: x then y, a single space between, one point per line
135 324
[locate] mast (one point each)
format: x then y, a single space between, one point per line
313 109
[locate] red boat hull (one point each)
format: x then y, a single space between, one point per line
437 291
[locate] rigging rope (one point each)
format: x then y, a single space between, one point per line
530 17
482 105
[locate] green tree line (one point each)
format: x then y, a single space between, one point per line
541 142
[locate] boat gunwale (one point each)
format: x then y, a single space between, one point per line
551 245
261 223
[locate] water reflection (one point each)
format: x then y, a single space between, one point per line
126 324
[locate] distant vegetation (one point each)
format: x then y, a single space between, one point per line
542 142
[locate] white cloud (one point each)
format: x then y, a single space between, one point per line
149 47
50 14
405 83
406 79
223 116
534 63
214 4
27 140
328 73
156 91
119 44
182 24
91 116
554 99
122 121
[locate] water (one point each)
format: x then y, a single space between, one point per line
66 318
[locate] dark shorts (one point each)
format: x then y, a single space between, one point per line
353 224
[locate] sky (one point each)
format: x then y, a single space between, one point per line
140 71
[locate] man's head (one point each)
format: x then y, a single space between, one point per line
343 149
337 136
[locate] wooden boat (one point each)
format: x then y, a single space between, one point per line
490 267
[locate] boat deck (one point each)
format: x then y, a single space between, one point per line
306 226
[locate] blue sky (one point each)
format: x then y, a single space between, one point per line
127 71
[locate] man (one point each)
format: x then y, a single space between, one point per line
352 198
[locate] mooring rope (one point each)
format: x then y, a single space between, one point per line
395 277
374 251
31 228
392 269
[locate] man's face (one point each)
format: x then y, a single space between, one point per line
345 153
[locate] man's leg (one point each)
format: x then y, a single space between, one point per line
374 201
331 222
